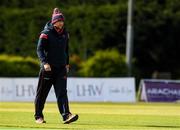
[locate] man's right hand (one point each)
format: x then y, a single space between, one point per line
47 67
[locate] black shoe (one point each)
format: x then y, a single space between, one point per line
71 118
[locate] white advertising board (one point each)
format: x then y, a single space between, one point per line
79 89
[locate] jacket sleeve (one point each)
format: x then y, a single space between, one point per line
42 47
67 49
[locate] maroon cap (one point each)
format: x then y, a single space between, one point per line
57 16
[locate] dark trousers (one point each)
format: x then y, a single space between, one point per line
57 78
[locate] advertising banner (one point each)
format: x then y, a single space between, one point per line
79 89
160 90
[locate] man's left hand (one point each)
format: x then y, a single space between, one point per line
67 68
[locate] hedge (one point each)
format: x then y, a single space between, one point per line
16 66
109 63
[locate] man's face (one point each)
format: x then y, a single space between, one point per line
59 24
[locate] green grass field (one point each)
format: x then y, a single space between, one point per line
94 116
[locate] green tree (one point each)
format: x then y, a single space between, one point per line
107 63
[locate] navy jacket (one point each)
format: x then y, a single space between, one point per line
52 47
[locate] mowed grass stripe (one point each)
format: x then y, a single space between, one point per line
102 108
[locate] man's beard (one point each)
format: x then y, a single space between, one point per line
58 29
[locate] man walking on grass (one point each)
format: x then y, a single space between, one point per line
52 50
